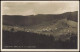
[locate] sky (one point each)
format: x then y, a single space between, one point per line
38 7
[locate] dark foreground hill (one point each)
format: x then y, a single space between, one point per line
28 40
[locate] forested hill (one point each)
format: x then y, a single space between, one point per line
38 19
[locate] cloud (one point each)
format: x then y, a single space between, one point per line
41 7
5 10
29 12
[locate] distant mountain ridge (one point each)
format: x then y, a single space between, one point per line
38 19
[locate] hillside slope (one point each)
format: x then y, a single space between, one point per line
55 25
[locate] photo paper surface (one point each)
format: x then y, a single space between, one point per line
40 25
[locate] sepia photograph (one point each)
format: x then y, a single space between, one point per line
40 25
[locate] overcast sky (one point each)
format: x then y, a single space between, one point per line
39 7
